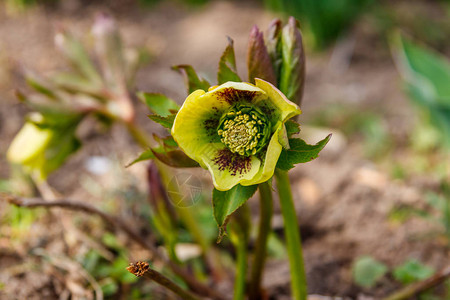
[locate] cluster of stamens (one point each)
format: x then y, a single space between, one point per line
241 131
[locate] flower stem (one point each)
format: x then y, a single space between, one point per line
187 218
292 233
142 269
240 228
266 211
138 135
241 268
185 213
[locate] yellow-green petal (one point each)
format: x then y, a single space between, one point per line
227 167
188 128
28 144
285 107
270 160
224 176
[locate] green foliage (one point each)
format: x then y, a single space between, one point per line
192 81
367 271
166 122
300 152
227 65
174 158
427 76
146 155
327 19
441 206
292 127
110 272
411 271
225 203
159 104
44 143
167 152
279 58
437 211
62 101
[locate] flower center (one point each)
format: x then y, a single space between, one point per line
244 130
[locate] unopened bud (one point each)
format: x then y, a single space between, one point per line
258 58
292 73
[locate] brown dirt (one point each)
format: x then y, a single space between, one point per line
343 200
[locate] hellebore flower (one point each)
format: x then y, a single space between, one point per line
41 148
235 130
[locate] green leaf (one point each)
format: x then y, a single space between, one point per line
227 65
300 152
40 86
292 73
166 122
167 142
174 158
225 203
59 150
259 63
78 57
158 103
411 271
146 155
292 127
192 80
423 67
367 271
110 53
427 77
76 83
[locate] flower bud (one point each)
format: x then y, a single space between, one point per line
258 58
292 73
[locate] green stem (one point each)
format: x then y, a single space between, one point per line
292 233
139 135
241 269
240 228
186 216
266 211
185 213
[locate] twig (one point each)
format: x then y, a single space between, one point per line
148 244
142 269
421 286
84 207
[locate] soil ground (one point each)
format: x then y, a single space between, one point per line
344 200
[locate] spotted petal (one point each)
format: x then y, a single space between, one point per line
196 122
195 130
270 160
229 169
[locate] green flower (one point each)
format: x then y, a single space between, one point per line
40 147
235 130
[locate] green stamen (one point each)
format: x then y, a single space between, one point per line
244 130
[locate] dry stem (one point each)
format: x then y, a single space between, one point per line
142 269
147 243
421 286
